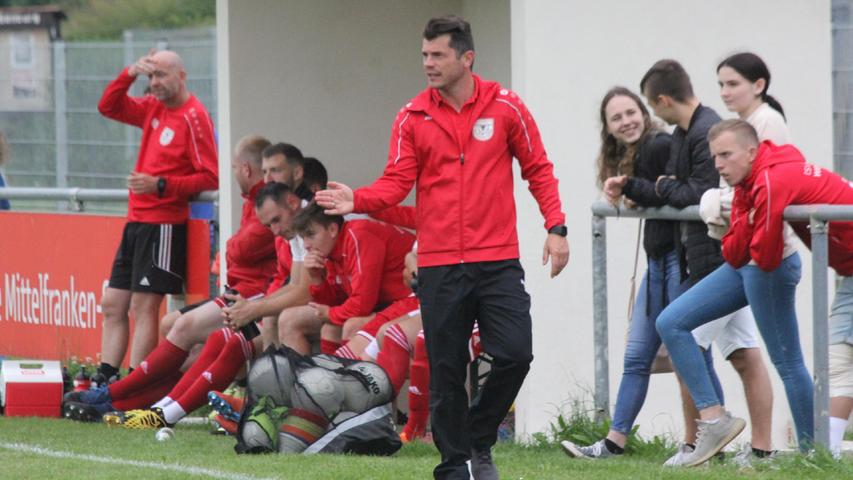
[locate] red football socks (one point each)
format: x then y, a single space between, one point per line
328 346
165 360
212 346
219 374
148 396
418 392
394 356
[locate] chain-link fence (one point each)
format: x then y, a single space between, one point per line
48 106
842 83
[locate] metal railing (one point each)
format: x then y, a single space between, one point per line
818 217
78 196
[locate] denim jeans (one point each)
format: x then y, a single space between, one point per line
661 285
771 297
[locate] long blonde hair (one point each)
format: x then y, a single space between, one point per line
616 158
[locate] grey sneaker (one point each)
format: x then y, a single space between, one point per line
596 450
678 459
713 437
745 458
482 466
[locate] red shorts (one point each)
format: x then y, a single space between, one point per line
406 306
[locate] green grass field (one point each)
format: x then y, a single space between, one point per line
48 448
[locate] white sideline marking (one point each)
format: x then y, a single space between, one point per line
22 447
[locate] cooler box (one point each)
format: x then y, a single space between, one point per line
31 388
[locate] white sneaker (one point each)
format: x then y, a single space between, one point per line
712 437
678 458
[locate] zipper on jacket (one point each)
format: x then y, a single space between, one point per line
461 197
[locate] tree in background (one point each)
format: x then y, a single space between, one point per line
107 19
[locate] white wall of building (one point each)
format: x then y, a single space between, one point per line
565 56
329 76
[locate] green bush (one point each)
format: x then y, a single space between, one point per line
578 425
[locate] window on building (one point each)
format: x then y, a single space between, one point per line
23 54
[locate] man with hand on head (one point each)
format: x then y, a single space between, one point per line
177 160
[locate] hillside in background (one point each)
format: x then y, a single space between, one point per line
106 19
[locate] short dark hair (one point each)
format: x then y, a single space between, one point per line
275 191
459 30
667 77
314 213
292 154
314 173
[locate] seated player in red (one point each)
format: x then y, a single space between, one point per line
250 255
355 266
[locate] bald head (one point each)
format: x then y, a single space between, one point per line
168 59
167 78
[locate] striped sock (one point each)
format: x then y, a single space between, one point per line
165 360
233 356
394 356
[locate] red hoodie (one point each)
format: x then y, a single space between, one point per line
462 165
177 144
250 252
781 177
366 264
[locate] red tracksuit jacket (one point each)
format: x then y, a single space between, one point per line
780 177
250 252
284 264
177 144
462 165
366 265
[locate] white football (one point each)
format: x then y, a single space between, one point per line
318 391
361 396
271 376
164 434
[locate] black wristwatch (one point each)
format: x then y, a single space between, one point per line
560 230
161 186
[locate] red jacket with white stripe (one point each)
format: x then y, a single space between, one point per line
781 177
462 166
250 253
177 144
366 264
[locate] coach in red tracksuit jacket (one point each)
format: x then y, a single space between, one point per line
177 159
456 141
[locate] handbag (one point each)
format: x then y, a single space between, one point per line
662 363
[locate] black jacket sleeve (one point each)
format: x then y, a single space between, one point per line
651 163
688 187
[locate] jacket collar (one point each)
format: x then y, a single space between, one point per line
769 154
429 98
337 252
253 192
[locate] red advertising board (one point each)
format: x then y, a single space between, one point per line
53 272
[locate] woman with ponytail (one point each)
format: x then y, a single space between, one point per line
744 80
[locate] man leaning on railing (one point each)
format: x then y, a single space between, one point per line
767 178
